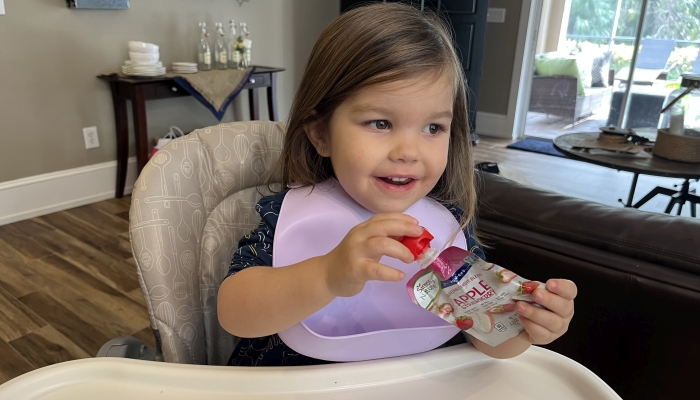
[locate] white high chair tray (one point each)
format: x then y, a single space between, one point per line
459 372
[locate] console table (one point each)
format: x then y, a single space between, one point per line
140 90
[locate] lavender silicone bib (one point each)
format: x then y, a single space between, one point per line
381 321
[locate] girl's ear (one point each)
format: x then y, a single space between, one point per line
316 132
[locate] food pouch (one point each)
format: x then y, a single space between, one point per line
470 293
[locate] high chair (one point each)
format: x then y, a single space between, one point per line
191 204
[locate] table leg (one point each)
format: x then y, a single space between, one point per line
253 101
670 206
272 97
682 196
138 104
654 192
122 130
632 189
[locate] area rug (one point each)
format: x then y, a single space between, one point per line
534 145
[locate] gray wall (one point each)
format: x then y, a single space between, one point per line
499 54
50 55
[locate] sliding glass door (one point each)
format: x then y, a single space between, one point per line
583 78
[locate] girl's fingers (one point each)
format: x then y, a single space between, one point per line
384 246
391 228
554 302
545 318
563 287
371 271
538 333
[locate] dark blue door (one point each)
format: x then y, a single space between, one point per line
468 20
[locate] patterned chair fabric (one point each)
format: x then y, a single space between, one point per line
190 205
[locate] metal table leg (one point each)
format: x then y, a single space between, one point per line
632 189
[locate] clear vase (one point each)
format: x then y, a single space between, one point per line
246 58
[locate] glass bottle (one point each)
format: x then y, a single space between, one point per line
220 52
233 55
678 136
683 117
203 50
246 43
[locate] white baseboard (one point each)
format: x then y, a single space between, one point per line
56 191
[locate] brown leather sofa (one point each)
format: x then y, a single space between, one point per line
637 318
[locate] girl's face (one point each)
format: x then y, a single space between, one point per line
389 143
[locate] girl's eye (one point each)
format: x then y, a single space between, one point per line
380 124
434 129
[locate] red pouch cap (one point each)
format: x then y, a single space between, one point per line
419 244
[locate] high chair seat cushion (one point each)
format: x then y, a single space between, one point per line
191 204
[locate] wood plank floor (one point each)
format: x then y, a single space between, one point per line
67 285
68 282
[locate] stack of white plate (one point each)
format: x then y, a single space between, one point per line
143 60
184 67
138 69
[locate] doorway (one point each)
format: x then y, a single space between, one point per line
580 58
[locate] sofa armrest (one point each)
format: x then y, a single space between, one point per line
622 231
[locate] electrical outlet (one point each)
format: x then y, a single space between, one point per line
497 15
91 139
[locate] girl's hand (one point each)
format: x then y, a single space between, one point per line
545 326
356 259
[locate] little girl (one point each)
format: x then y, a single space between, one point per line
382 109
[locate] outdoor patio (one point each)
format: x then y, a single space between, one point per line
548 127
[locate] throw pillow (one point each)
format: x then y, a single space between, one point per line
600 68
553 66
585 61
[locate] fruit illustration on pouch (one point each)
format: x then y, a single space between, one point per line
502 309
484 323
528 287
484 266
464 323
445 308
505 275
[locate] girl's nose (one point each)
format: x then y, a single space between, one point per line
404 148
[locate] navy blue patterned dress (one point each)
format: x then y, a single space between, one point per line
255 249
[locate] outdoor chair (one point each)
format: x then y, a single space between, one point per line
696 66
191 204
652 58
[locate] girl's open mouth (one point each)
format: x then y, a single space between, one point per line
397 181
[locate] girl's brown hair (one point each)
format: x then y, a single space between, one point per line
366 46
